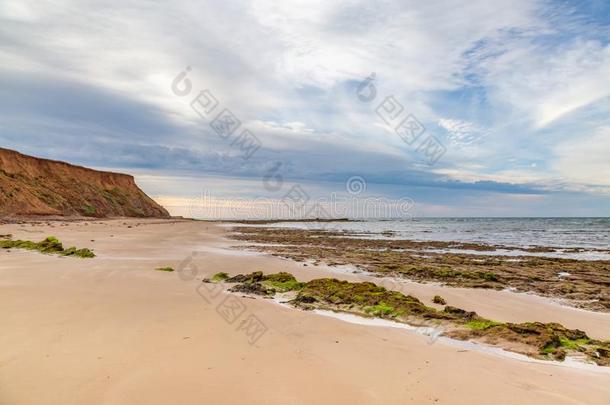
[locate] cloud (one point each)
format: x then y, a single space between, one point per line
547 82
585 160
497 83
462 133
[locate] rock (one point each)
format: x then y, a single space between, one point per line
460 313
246 278
603 352
439 300
253 288
305 299
559 354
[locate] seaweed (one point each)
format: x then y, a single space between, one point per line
551 341
50 245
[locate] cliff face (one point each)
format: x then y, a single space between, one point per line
33 186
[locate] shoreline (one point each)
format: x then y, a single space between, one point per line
569 362
428 333
539 340
432 338
581 283
112 324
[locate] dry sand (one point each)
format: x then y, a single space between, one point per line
112 330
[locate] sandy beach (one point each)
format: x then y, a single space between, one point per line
112 330
308 203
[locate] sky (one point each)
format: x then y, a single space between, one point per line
461 108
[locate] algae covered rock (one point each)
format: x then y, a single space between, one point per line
551 341
439 300
253 288
246 278
50 245
367 296
278 282
459 313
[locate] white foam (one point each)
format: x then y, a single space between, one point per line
237 251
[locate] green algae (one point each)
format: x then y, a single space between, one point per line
551 341
381 309
50 245
219 277
278 282
573 344
282 282
82 253
482 324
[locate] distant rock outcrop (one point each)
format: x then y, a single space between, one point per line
33 186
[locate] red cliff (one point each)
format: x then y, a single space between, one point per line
33 186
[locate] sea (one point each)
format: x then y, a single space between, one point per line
590 236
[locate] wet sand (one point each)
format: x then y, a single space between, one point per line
113 330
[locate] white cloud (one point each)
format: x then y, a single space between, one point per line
282 68
585 159
544 83
412 45
252 54
17 10
462 133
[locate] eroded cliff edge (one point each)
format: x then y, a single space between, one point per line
35 186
